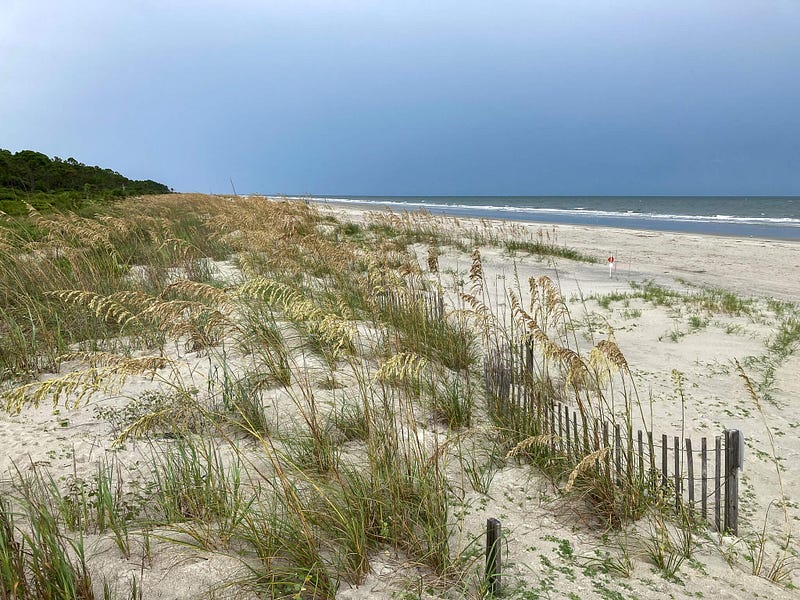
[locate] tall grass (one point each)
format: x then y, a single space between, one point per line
371 460
134 246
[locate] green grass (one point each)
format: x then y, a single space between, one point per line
39 561
448 342
541 250
198 491
713 301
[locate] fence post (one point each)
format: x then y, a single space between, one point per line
529 357
733 462
717 481
704 477
676 446
689 473
493 558
618 452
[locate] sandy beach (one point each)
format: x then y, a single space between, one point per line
718 300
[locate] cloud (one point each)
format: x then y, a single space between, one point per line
390 96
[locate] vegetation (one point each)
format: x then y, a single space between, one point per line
314 400
28 177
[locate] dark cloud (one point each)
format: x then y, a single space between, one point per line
413 97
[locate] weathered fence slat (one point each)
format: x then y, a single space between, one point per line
575 433
704 478
676 447
618 452
717 481
493 557
732 481
569 425
640 444
690 473
586 446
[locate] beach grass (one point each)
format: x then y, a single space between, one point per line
335 410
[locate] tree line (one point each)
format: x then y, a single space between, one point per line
45 183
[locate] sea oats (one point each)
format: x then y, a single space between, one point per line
584 465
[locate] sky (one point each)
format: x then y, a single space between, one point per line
412 97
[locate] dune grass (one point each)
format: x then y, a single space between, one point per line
338 416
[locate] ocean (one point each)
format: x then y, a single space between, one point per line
740 216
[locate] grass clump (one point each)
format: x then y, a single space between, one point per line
540 249
198 491
40 561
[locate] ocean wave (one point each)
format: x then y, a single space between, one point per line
582 212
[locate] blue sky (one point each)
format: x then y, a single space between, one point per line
412 97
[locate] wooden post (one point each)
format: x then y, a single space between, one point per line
493 557
733 462
529 357
575 435
545 421
640 442
664 451
677 448
717 481
586 447
618 452
704 478
690 474
568 441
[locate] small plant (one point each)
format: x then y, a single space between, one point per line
351 422
314 451
197 491
39 561
239 400
619 562
154 413
661 550
452 402
696 322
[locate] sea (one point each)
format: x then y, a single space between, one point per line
766 217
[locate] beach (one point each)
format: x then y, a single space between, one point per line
746 265
698 318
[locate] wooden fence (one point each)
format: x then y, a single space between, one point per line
430 303
701 479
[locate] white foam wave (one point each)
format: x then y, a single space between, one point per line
486 210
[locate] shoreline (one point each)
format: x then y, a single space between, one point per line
661 223
748 266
